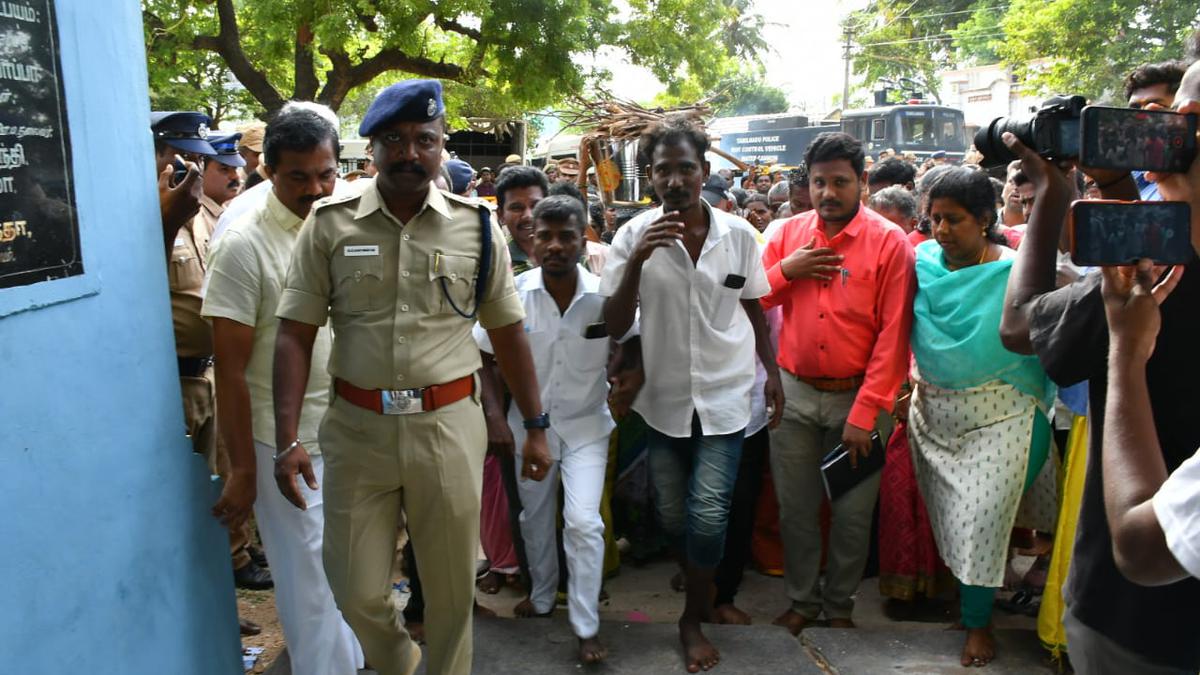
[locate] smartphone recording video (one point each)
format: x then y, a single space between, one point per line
1109 233
1128 139
180 172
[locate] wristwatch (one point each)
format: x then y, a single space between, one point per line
540 422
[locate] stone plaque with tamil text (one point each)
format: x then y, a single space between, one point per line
39 231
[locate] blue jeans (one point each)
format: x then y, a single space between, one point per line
693 484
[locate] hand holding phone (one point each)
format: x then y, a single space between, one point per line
1131 139
1107 233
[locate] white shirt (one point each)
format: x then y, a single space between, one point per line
1177 506
697 342
252 199
570 365
246 274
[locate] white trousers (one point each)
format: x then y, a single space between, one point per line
318 641
581 472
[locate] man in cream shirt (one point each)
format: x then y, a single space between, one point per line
246 277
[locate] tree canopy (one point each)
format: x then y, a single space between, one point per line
496 56
1089 45
1053 46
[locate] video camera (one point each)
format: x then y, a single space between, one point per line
1052 132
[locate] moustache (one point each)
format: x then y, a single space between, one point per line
407 167
234 184
830 204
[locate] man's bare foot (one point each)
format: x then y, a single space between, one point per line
791 621
698 653
731 615
484 612
526 610
842 623
416 631
591 651
490 583
980 647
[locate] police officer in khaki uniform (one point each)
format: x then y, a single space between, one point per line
221 179
402 270
183 135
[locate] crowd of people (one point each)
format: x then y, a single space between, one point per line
397 359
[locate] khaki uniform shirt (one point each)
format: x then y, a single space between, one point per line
210 213
185 277
246 273
387 287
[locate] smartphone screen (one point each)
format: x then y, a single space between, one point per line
180 172
1108 233
1127 139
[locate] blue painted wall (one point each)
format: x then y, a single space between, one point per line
111 562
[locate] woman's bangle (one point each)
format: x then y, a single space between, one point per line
295 444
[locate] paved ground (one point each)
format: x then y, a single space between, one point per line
638 626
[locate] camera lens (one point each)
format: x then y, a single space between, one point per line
989 142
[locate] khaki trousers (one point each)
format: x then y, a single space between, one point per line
812 426
430 465
200 416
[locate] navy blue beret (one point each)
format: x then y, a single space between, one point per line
461 174
186 131
227 149
407 101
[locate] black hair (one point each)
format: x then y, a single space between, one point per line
568 189
297 130
973 191
596 215
892 171
674 128
1150 74
1020 178
560 208
924 185
518 176
798 177
998 186
833 145
160 146
253 179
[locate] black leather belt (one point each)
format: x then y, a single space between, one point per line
193 366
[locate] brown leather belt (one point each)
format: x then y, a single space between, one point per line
406 401
832 384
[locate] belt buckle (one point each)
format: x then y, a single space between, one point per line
402 401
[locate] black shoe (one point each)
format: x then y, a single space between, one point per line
258 556
252 577
248 627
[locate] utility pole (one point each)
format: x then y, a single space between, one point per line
846 77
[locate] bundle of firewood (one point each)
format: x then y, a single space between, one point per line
620 120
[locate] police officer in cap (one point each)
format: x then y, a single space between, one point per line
221 178
179 143
402 271
180 140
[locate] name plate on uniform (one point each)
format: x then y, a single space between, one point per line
39 230
359 251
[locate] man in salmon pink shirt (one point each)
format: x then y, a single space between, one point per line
844 277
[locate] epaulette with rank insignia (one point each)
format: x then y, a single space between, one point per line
349 193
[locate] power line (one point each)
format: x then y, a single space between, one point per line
927 38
